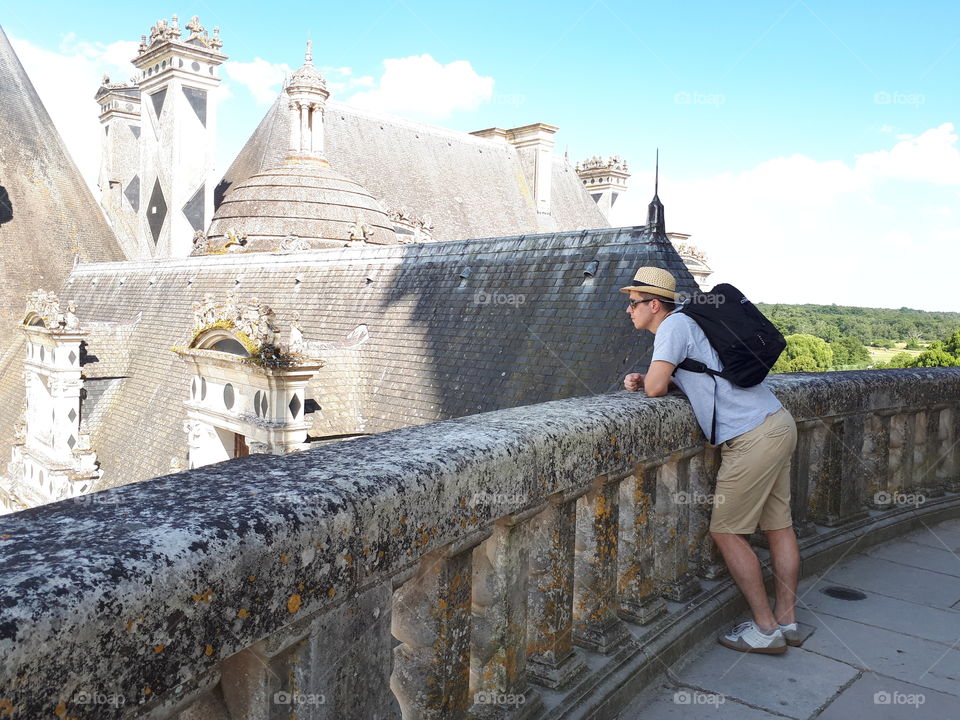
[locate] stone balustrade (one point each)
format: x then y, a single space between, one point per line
542 561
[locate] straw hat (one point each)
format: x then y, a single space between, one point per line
655 281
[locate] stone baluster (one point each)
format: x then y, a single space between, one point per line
902 437
876 457
317 668
431 619
498 638
705 556
838 496
639 597
551 658
948 435
674 574
930 483
921 477
816 463
596 625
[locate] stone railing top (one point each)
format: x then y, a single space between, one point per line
137 589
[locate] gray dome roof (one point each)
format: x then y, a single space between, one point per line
304 199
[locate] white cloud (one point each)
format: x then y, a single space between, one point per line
262 78
420 86
931 157
793 229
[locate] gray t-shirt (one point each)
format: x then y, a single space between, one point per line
739 410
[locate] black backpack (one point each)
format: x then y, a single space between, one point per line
748 344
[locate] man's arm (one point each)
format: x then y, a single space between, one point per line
657 381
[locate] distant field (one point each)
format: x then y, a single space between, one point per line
882 355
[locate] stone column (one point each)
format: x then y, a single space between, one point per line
947 475
431 619
876 451
551 658
596 625
675 578
807 460
838 494
294 127
902 436
705 556
304 127
929 481
640 601
498 638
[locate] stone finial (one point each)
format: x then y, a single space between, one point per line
195 28
308 56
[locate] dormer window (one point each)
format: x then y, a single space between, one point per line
229 345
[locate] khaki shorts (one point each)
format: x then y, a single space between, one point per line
753 483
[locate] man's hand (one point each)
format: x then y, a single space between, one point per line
633 381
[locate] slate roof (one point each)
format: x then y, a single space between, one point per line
452 329
467 186
47 215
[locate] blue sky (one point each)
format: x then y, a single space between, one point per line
809 147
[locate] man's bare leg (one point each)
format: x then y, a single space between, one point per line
744 567
785 556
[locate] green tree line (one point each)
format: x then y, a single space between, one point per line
834 337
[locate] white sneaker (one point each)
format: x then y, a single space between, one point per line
791 634
747 637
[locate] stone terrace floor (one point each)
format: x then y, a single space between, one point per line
894 653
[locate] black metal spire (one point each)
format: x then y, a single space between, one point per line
655 222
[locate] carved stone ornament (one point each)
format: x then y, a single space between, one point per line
293 243
201 245
20 427
248 316
418 229
234 241
691 251
46 305
360 230
614 162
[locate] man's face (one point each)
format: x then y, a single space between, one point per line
643 311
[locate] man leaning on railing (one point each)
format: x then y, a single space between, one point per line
757 436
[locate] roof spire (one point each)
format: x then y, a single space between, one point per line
655 222
656 175
308 57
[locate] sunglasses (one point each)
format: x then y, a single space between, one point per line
634 303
